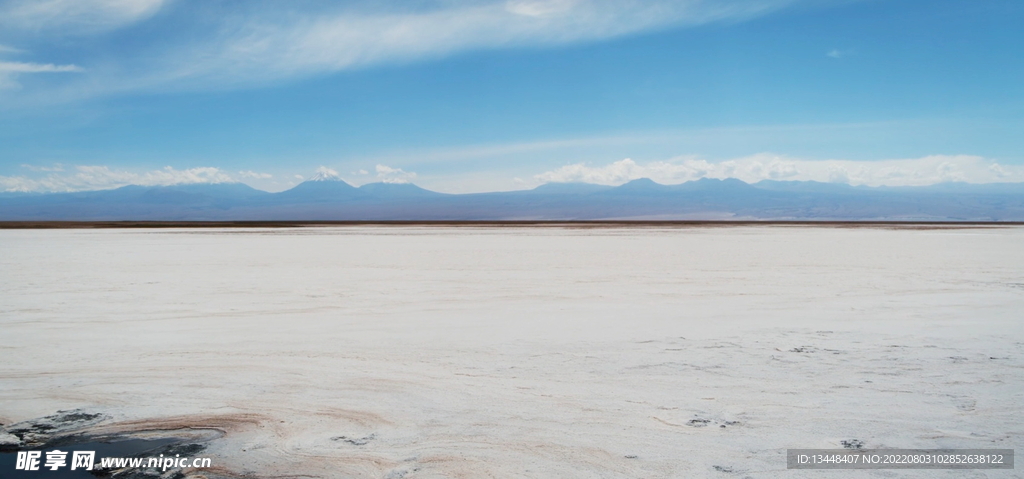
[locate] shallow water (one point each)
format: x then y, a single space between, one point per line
122 448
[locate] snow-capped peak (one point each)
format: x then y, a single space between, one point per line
325 174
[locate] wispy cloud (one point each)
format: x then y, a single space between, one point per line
249 174
9 70
55 167
901 172
24 67
265 48
837 53
74 16
270 42
8 49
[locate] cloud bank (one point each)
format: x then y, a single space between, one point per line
82 178
388 174
924 171
928 170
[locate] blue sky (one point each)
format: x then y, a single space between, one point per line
482 95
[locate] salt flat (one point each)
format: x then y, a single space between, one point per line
425 352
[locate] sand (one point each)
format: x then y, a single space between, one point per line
424 352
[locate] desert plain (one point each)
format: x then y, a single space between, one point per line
556 351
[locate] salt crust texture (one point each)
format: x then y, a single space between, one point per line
426 352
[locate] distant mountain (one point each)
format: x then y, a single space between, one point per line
320 188
803 186
177 202
567 189
328 197
642 187
396 190
325 175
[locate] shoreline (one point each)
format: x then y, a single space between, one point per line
13 225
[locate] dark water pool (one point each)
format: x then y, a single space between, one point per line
114 448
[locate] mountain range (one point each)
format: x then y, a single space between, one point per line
330 198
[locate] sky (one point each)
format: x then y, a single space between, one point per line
487 95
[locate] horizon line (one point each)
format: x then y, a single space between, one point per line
158 224
399 183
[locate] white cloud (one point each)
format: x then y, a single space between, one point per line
254 175
999 171
265 42
626 170
9 49
103 177
540 8
270 47
388 174
837 53
8 70
782 170
55 167
325 173
838 174
902 172
23 67
75 16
